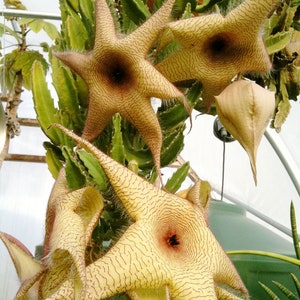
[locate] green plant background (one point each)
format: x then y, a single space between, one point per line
120 139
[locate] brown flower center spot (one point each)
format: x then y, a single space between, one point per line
118 74
170 240
117 70
220 46
173 241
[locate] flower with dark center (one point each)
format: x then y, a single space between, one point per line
217 48
169 244
168 249
120 79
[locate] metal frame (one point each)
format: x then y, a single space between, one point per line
7 12
258 214
285 157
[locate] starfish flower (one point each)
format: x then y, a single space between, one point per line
216 48
71 217
169 244
121 79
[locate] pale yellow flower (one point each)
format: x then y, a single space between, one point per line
169 243
216 48
120 79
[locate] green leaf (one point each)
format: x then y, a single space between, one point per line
6 30
53 161
94 169
269 292
188 12
133 166
292 75
296 25
66 10
44 46
182 7
74 176
278 41
44 104
296 282
82 91
291 16
8 72
33 24
283 107
295 3
282 257
24 62
285 291
206 5
86 9
171 114
142 156
77 35
172 145
73 4
36 25
294 230
65 86
51 30
136 10
178 177
117 151
281 22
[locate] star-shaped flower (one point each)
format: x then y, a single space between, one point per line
216 48
121 79
71 218
169 244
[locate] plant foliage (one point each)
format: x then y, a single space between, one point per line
120 139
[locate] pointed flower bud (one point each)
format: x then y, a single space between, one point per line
245 109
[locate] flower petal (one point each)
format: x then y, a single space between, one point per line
74 215
27 267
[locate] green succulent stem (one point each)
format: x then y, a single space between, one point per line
285 258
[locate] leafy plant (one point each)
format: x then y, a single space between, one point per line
289 294
296 261
120 139
24 67
15 66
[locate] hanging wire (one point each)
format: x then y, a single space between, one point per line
222 134
223 171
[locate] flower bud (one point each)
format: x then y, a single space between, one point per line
245 109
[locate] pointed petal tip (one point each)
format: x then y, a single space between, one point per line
62 56
73 60
253 168
25 264
9 240
58 54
